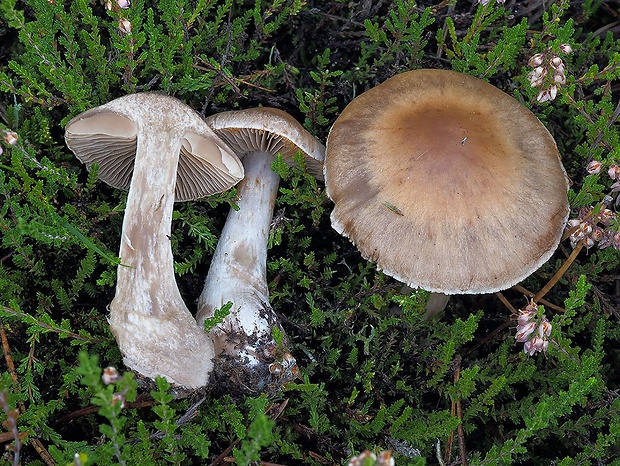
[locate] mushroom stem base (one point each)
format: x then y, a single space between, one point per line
436 304
148 347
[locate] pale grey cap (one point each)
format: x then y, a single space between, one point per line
446 182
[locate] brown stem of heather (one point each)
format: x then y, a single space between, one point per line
457 410
561 271
36 443
505 302
459 414
7 355
531 294
448 450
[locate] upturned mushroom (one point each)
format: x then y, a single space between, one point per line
238 268
446 182
162 151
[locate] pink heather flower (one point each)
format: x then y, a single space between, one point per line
616 241
358 460
544 329
554 91
524 318
384 459
594 167
606 217
548 94
118 398
537 75
538 343
528 313
535 81
10 137
556 62
540 72
597 233
535 344
124 26
527 348
536 60
524 334
565 48
543 96
607 239
533 331
613 172
122 4
585 229
110 375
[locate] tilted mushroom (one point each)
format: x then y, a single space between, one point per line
446 182
162 151
238 268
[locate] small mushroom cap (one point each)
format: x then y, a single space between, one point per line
269 130
108 135
446 182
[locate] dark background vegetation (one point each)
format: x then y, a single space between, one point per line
374 374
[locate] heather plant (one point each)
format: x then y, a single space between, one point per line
525 376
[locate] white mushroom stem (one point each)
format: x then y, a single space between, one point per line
238 271
154 329
436 303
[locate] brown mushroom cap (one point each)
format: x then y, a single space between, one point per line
446 182
107 135
269 130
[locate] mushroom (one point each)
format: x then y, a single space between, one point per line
162 151
238 271
446 182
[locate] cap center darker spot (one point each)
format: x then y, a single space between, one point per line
445 146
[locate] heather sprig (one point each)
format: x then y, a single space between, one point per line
549 72
533 330
368 458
